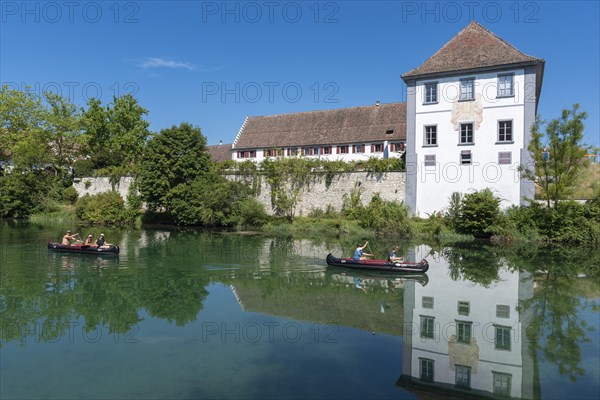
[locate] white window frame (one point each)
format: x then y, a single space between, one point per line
503 90
430 94
461 332
472 132
428 365
502 336
463 376
502 135
466 89
430 137
427 326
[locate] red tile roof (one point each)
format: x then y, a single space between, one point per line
326 127
219 152
472 48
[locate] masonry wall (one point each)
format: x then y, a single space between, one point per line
319 195
92 186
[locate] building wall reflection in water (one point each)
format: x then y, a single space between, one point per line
463 337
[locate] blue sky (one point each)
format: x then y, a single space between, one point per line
212 63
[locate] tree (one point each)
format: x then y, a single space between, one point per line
479 214
174 157
94 122
115 135
62 132
557 154
129 131
21 121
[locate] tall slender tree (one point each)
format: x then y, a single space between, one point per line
558 154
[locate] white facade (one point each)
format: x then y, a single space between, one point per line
441 164
341 152
439 355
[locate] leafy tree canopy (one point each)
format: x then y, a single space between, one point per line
174 157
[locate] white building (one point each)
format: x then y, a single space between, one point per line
470 109
464 338
347 134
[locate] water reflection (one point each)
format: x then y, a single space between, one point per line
483 320
467 336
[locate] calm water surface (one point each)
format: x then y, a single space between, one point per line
192 314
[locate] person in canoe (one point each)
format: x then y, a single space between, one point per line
359 254
68 238
89 241
101 242
393 256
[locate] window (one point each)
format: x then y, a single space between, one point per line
429 160
307 151
397 147
465 157
463 376
427 302
466 133
431 135
426 369
505 85
502 341
467 89
505 131
502 383
246 154
505 157
502 311
377 148
427 326
463 331
292 151
358 148
342 149
430 93
389 131
269 152
463 308
326 150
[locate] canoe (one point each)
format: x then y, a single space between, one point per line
376 277
378 265
81 248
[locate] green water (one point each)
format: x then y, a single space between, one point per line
195 314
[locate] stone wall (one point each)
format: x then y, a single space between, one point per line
319 195
92 186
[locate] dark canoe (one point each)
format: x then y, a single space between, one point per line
378 265
375 276
81 248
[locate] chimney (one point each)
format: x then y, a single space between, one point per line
220 142
377 103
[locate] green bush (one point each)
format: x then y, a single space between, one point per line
215 201
568 221
83 168
479 214
387 217
70 195
104 208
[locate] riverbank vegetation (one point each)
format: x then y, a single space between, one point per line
46 142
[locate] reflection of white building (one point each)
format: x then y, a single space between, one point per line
460 336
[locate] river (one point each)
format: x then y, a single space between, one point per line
195 314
